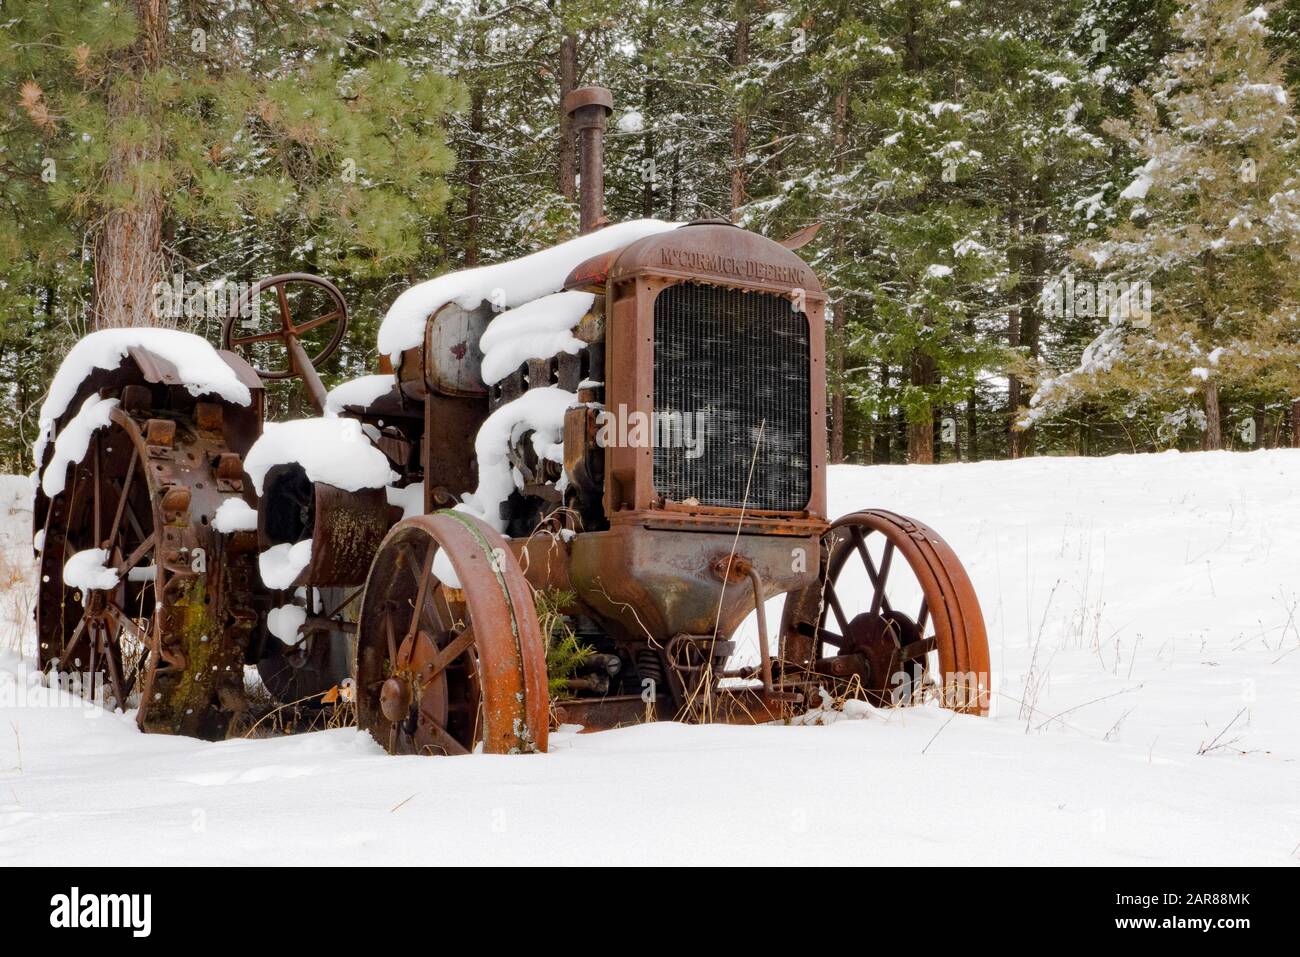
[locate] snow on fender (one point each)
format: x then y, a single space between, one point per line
197 364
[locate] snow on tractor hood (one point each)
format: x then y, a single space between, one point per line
198 366
506 285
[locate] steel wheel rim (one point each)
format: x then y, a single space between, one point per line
482 637
950 635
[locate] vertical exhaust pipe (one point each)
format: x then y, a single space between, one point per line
589 107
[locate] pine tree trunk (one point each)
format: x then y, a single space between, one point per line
1031 319
1213 422
128 242
838 321
568 175
1295 423
739 121
1013 331
474 175
920 429
674 186
972 428
837 387
883 446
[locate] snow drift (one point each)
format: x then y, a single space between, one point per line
1143 620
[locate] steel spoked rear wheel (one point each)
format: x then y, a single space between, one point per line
167 630
443 669
894 613
99 639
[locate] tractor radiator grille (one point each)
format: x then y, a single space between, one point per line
729 364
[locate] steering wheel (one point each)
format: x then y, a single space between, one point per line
335 311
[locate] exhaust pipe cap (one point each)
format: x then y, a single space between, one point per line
589 96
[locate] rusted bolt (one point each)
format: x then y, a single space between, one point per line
731 569
160 432
176 498
229 466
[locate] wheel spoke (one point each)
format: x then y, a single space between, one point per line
917 649
72 644
425 574
121 498
113 676
131 517
830 638
94 647
141 550
286 319
878 596
410 561
441 735
877 581
836 607
316 323
453 650
923 616
128 622
256 337
392 640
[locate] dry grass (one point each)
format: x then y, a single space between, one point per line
17 594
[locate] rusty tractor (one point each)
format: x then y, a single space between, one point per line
608 587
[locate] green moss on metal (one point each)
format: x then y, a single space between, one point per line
191 629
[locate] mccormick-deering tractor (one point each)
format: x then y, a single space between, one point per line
572 480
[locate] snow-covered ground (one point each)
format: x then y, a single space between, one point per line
1143 621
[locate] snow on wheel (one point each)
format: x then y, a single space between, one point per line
450 654
141 603
892 613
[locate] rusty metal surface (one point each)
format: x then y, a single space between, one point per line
172 643
417 631
654 584
452 357
348 529
604 714
291 330
722 255
884 646
450 466
592 274
590 107
345 527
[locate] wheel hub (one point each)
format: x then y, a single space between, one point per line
880 639
395 699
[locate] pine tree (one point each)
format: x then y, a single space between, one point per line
153 126
1214 211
